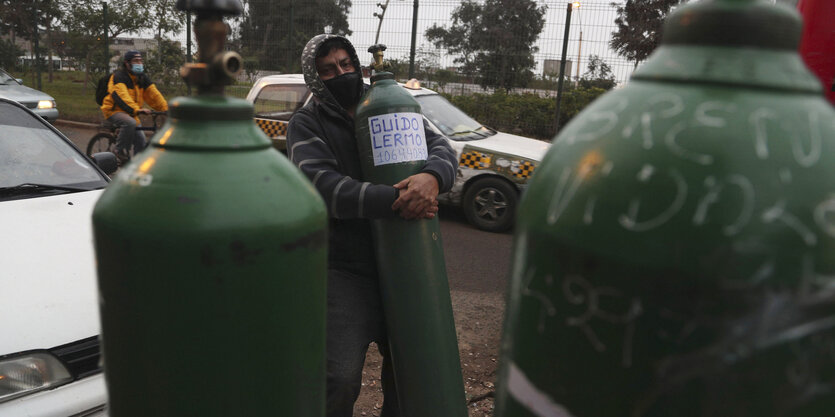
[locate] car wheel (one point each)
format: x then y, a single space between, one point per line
490 204
102 142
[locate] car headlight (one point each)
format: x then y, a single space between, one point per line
46 104
32 372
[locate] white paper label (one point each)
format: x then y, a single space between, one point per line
397 137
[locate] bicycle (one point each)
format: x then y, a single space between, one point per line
105 139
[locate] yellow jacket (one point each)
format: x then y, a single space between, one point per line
127 93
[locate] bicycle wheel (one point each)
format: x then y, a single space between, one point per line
102 142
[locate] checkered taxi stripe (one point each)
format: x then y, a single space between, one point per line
475 160
522 169
272 128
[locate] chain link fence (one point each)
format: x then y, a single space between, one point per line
272 43
271 34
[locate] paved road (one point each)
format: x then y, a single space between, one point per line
476 261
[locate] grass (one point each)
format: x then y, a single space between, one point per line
77 102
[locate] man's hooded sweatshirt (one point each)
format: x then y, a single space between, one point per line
321 142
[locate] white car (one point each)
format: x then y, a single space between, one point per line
49 317
493 167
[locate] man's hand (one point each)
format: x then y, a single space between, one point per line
143 111
418 197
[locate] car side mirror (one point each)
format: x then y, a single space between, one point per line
106 161
19 80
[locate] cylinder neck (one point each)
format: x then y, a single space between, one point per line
744 43
734 23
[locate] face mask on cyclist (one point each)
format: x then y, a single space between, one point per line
137 68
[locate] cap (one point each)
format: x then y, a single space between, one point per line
131 55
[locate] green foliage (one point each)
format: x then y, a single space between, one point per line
84 23
639 24
598 74
459 38
275 31
493 40
18 18
525 114
442 77
8 55
163 63
162 16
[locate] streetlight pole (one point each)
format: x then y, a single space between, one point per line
562 64
380 16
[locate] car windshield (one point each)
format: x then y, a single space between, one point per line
36 161
453 123
5 78
280 101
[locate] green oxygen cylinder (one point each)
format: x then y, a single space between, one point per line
410 259
675 251
211 252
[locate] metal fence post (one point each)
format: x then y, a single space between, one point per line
104 37
414 35
562 64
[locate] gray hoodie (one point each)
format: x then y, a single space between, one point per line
321 142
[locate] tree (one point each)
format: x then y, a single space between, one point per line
17 19
164 61
8 54
639 25
163 17
598 74
459 38
275 31
494 40
28 19
84 23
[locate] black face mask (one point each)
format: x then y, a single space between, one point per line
346 89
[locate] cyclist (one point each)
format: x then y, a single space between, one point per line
127 90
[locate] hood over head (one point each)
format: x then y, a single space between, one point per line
311 76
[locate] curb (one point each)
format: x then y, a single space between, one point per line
72 123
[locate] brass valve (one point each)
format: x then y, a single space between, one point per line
378 64
216 67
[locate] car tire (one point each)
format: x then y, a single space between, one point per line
490 204
102 142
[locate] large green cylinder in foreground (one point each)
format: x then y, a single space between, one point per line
211 252
675 251
410 259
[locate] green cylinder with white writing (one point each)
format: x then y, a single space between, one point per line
675 251
410 259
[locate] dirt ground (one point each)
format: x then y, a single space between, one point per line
478 322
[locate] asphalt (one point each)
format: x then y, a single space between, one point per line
72 123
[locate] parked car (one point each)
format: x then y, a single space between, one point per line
39 102
493 167
49 317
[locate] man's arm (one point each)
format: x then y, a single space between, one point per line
155 99
118 90
419 192
344 196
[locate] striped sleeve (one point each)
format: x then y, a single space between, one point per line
441 162
345 197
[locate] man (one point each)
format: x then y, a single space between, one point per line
321 142
127 90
